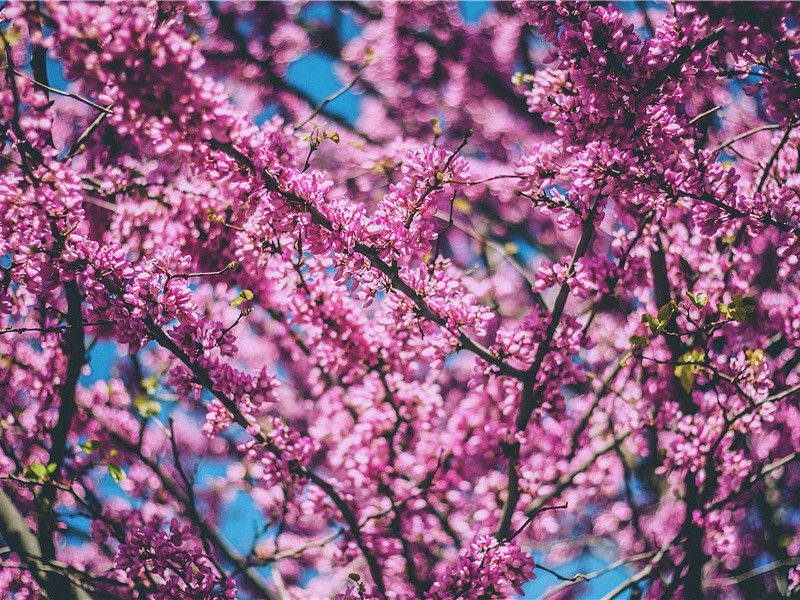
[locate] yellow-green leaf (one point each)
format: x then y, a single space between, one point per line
116 472
666 311
462 205
147 406
244 296
37 470
150 384
700 299
689 366
741 307
13 34
755 357
685 375
88 446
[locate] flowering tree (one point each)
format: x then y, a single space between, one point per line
542 295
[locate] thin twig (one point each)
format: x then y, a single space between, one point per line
72 95
744 135
331 97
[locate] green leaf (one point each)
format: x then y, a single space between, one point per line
658 323
519 78
700 299
147 407
685 375
666 311
214 217
88 446
13 34
755 357
116 472
741 307
37 470
689 366
150 384
244 296
652 322
639 340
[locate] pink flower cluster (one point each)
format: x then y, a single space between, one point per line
175 557
485 569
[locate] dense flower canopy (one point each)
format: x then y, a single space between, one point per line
540 296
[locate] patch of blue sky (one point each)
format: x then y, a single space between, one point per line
473 10
586 563
324 11
314 74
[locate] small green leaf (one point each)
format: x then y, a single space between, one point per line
88 446
639 340
519 78
685 375
741 307
689 367
652 322
116 472
214 217
244 296
150 384
657 323
437 126
355 577
12 34
462 205
700 299
755 357
37 470
666 311
146 406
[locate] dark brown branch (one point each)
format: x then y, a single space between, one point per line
75 348
23 542
531 393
